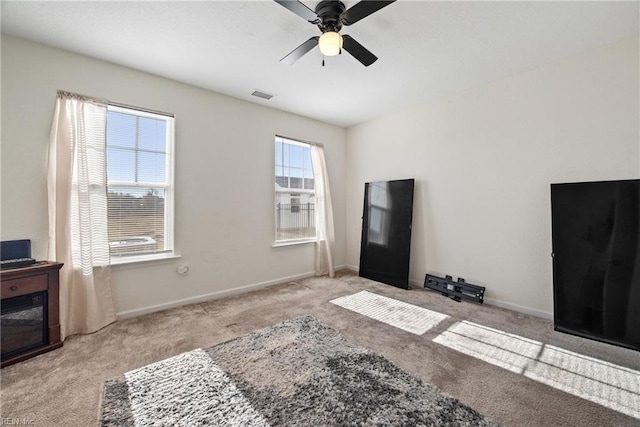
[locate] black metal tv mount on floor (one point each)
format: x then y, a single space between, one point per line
457 291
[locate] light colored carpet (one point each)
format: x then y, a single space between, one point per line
604 383
607 384
63 387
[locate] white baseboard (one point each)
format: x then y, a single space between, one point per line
519 308
260 285
213 295
353 268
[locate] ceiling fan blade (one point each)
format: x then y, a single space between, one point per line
300 51
358 51
362 9
300 9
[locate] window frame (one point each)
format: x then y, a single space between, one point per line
298 191
168 186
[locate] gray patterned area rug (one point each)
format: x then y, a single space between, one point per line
296 373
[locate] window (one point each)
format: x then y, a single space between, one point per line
139 183
295 194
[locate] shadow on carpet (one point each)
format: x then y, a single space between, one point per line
299 372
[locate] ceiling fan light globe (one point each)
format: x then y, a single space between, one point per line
330 43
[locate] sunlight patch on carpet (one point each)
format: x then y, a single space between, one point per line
402 315
165 390
609 385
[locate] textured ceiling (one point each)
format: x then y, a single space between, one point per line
427 50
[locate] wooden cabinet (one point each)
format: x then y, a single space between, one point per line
40 278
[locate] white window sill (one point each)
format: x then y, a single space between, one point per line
292 242
143 259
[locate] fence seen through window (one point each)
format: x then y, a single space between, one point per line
295 191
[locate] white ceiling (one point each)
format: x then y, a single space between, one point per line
426 49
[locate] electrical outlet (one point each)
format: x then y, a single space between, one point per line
183 269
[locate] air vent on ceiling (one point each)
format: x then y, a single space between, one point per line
261 94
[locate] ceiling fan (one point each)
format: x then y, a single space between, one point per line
330 16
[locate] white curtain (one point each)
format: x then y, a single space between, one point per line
323 214
78 237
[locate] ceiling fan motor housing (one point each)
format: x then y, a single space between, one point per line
330 16
329 12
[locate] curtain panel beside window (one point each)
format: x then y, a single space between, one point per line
78 232
323 214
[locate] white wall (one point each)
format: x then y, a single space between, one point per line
483 162
224 169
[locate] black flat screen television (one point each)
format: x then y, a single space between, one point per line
596 260
386 232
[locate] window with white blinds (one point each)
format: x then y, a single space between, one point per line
140 183
295 192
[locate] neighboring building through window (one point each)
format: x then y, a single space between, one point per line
140 182
295 194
